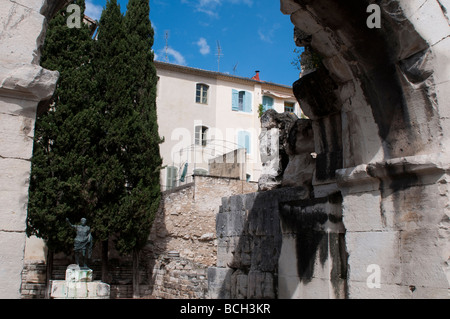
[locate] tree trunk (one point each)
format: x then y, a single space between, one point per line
48 274
105 277
136 274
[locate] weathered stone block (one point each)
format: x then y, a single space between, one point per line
11 263
430 21
219 282
17 136
75 274
374 248
79 290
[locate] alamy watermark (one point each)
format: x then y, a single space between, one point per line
74 18
373 20
374 279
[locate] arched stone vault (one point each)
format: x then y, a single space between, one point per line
382 81
380 108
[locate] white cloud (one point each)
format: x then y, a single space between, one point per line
203 45
210 7
247 2
268 35
177 56
92 10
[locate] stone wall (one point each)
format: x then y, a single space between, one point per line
231 164
186 220
179 278
249 244
313 259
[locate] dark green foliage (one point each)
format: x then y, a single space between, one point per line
96 152
306 60
64 144
141 157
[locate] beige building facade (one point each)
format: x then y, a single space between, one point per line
204 114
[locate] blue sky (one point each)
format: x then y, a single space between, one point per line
253 35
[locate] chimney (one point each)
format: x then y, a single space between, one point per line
256 76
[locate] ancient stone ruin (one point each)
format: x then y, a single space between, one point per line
374 222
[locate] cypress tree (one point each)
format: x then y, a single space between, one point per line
127 86
109 64
142 159
66 138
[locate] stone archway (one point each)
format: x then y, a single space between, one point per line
380 107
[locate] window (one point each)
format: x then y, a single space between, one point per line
171 179
201 95
289 107
241 98
201 135
241 101
244 140
267 103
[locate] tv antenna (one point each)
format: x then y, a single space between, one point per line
219 54
166 37
234 68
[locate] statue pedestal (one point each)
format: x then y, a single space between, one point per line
79 285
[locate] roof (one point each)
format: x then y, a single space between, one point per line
219 75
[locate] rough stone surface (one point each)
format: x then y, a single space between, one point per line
23 83
79 284
379 106
186 220
249 244
286 144
178 278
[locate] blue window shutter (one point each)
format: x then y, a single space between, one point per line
267 103
244 140
235 100
247 142
247 102
241 139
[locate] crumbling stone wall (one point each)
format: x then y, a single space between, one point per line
284 242
179 278
280 244
249 244
186 220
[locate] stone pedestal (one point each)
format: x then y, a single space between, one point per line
79 284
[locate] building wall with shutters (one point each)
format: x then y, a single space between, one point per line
199 126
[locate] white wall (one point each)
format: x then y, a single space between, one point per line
178 114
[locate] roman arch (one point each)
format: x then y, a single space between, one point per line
380 112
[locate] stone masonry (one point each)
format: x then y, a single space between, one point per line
376 222
379 106
186 221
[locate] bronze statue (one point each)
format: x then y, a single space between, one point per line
83 243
